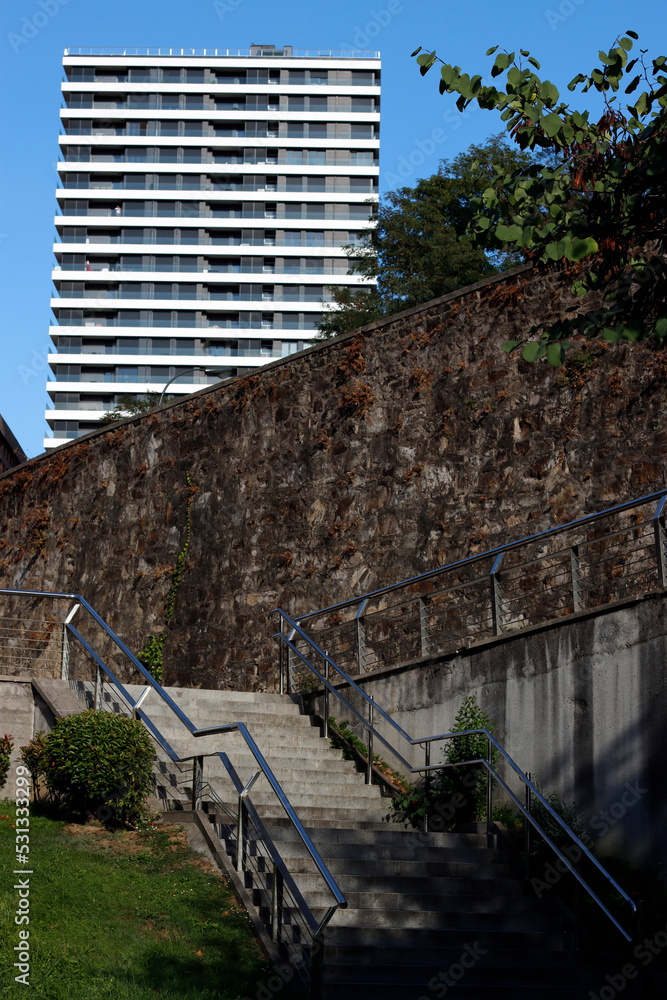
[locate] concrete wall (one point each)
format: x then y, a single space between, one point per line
581 703
17 719
360 462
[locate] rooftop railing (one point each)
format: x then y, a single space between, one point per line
289 52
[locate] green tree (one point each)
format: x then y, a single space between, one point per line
599 205
419 249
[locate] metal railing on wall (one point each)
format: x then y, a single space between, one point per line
589 875
581 566
84 655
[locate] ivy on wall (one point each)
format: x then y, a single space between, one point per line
152 654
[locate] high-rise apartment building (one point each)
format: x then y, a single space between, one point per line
206 199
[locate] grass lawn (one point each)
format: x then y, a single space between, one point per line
123 915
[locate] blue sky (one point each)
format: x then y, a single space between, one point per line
564 35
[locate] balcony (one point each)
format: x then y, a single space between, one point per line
212 268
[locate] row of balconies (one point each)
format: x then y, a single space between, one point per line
273 103
189 237
193 77
172 211
196 265
194 293
171 319
355 184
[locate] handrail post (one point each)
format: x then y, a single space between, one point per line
64 664
489 792
360 638
326 700
660 543
369 762
425 645
64 660
239 836
98 696
291 663
316 966
575 570
496 596
276 903
197 782
427 783
527 825
281 657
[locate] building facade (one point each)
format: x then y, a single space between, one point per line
11 452
207 197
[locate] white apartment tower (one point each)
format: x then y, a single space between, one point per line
206 199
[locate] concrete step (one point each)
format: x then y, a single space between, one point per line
395 836
473 924
562 977
371 937
444 955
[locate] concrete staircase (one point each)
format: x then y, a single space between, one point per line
428 915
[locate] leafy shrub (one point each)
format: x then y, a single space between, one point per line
468 782
98 763
6 747
33 756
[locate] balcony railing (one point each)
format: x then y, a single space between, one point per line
212 351
181 268
112 294
200 324
223 53
182 240
221 213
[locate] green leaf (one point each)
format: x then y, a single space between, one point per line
632 330
555 355
552 124
508 234
534 62
503 61
416 52
582 248
659 330
530 351
626 44
632 34
509 346
579 78
493 49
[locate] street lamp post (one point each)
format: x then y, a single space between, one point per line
207 371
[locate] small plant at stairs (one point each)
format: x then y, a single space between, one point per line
6 747
344 739
457 794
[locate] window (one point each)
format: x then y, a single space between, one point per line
66 429
267 292
267 322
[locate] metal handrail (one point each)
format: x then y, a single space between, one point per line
498 550
492 773
240 727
